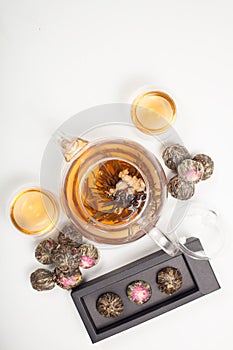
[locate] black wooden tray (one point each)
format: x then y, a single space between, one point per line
198 280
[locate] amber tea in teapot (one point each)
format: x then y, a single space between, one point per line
114 192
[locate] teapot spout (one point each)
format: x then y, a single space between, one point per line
69 145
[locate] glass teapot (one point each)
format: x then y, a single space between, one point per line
113 187
113 190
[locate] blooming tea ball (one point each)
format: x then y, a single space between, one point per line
190 171
89 256
70 236
207 163
169 280
66 258
42 279
43 252
139 292
110 305
180 189
68 280
173 155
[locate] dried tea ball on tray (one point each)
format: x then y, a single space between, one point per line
169 280
70 236
173 155
207 163
89 256
180 189
43 252
139 292
42 279
190 171
110 305
68 280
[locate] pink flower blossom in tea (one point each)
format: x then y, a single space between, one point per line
68 281
139 292
86 262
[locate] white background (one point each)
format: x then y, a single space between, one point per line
60 57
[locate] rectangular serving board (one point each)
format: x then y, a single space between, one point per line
198 280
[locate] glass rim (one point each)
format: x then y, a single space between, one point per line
136 121
54 219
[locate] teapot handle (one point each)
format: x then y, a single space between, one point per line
170 246
69 145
